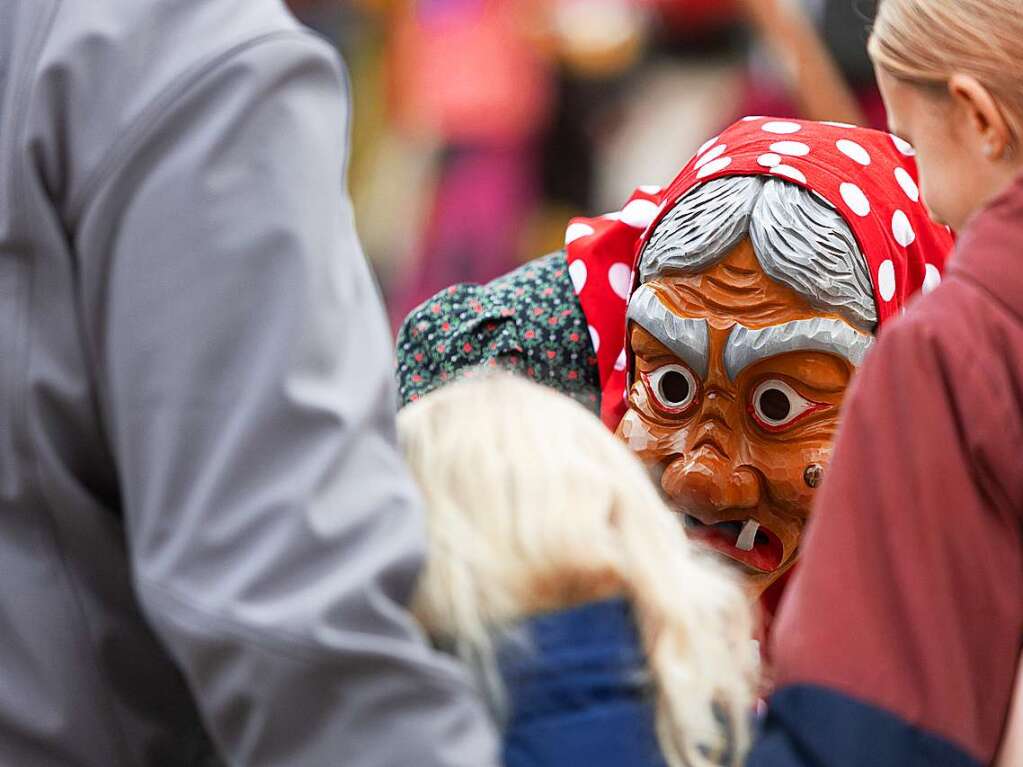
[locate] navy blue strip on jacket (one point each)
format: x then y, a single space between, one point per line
810 726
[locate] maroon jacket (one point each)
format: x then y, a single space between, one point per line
898 641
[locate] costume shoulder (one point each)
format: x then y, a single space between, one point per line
528 321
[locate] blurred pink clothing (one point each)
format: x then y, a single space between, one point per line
468 71
483 199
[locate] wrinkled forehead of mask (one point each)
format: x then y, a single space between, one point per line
799 240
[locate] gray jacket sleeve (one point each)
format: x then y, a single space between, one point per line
246 379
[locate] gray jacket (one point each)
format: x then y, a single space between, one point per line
205 526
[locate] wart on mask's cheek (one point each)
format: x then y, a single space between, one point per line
788 484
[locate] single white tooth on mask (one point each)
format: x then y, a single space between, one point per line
748 535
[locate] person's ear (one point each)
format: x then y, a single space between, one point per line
987 125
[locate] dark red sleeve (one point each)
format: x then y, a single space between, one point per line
906 616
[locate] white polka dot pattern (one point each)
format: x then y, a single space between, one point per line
855 199
769 160
577 271
903 146
706 145
639 213
781 127
902 230
853 151
576 231
620 278
713 167
789 172
907 183
886 280
620 362
711 155
791 148
932 279
595 337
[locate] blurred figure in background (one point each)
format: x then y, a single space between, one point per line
707 62
470 78
482 125
596 630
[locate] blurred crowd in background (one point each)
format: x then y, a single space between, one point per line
482 126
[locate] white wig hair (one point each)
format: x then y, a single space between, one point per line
533 506
799 240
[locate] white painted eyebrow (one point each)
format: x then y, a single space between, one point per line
746 346
688 339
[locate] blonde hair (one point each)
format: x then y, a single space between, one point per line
927 41
534 507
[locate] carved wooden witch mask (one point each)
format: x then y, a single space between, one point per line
754 292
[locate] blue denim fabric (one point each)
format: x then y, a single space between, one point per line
578 691
812 726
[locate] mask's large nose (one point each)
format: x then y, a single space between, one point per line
709 478
706 487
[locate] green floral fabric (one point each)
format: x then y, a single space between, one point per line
528 321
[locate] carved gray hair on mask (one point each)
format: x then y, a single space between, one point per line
799 240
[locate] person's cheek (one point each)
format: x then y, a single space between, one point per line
938 186
930 193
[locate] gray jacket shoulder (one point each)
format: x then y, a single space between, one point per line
106 69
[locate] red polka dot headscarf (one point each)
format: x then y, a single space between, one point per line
868 176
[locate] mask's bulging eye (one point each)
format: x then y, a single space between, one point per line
673 387
776 405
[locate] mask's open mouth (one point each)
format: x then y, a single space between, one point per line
746 541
